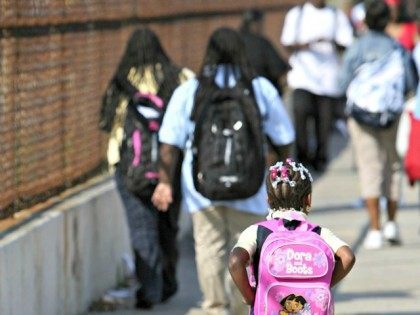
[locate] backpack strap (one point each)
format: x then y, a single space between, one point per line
262 233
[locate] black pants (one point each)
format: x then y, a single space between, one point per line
320 109
153 236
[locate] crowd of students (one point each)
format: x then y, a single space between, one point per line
189 139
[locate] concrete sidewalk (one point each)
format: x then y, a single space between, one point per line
384 281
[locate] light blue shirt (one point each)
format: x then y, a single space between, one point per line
177 129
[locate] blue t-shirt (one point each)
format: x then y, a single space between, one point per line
177 129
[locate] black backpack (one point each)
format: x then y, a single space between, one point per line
140 146
228 143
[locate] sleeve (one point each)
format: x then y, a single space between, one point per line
344 33
248 240
348 68
174 125
411 73
333 241
288 34
276 121
275 65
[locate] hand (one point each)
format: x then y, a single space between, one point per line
162 196
324 40
251 297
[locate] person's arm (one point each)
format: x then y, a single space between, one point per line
172 136
163 195
277 152
288 39
345 260
291 49
238 261
343 33
351 61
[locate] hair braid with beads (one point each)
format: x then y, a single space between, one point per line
288 183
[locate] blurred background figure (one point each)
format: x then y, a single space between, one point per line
263 58
217 222
314 50
147 69
377 57
261 53
402 25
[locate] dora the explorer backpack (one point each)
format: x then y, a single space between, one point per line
293 269
140 146
228 143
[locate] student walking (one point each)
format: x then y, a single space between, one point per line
377 73
314 59
221 116
142 85
293 262
261 53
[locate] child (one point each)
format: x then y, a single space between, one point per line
289 187
376 62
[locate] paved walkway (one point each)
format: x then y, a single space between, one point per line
384 281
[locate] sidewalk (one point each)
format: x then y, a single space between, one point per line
384 281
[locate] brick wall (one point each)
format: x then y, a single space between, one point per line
56 57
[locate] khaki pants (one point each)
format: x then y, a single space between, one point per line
378 164
216 231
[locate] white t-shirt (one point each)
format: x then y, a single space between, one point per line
248 238
316 69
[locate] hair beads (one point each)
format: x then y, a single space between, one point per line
279 173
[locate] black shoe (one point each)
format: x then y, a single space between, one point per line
168 293
144 304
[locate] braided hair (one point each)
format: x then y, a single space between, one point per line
288 183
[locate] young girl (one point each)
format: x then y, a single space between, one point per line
289 187
146 68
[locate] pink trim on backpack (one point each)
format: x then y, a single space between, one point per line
136 138
154 98
151 175
153 125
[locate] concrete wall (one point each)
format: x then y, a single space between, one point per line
65 258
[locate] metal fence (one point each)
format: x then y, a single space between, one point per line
56 57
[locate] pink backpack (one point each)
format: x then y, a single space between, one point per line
294 271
